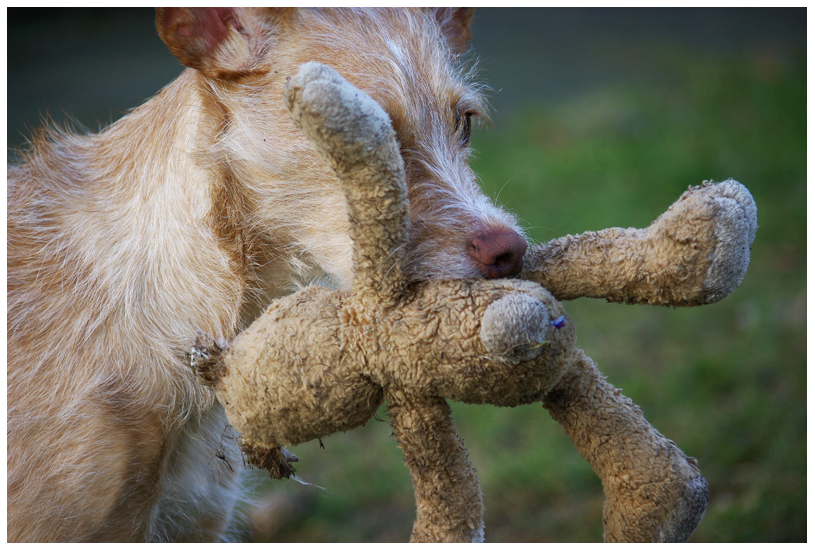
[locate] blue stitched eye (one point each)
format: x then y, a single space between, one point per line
560 322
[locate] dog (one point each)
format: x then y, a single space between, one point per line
190 213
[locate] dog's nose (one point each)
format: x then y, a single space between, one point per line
499 252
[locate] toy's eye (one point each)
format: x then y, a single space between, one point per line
464 126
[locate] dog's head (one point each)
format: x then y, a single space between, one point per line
406 60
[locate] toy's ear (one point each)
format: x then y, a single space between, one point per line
222 43
455 25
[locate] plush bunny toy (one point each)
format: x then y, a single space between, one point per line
321 361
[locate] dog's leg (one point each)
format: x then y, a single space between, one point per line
199 489
56 448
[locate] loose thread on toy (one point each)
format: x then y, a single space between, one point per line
509 351
304 483
539 345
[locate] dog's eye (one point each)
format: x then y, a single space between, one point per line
463 126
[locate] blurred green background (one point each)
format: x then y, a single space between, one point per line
602 118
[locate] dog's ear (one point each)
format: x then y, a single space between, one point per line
455 25
223 43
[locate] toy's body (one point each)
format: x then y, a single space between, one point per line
322 361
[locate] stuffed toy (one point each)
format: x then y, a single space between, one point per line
322 361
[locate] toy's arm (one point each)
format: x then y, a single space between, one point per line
696 253
654 492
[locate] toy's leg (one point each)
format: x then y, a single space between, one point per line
654 492
448 497
696 253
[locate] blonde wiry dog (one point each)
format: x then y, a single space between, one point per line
121 245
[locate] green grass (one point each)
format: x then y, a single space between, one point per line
726 382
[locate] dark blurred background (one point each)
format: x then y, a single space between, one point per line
602 117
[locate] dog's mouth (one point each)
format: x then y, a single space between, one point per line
457 232
498 252
491 253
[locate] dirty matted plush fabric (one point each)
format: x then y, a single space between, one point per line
322 361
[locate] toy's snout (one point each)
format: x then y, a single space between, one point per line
515 328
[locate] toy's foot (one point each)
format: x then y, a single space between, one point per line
662 512
687 514
719 220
